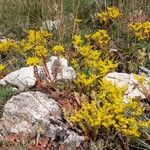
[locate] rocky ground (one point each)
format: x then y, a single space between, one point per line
34 114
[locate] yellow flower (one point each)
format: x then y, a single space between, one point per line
33 61
76 40
104 17
136 27
2 67
140 30
40 51
86 81
34 37
113 12
58 48
85 50
101 37
108 111
5 46
38 37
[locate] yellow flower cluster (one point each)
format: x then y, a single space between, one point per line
5 46
40 51
103 67
58 49
38 37
86 51
112 13
92 66
33 61
86 81
141 30
101 38
35 40
92 60
36 44
109 111
76 40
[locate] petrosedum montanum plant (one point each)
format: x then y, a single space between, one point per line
140 30
91 63
103 109
110 14
108 112
7 45
35 48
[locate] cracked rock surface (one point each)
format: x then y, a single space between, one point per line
29 111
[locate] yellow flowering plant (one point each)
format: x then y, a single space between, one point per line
104 17
77 40
112 13
2 67
101 38
140 30
58 49
74 63
38 37
7 45
37 46
93 64
36 40
33 61
104 108
35 49
86 82
40 51
108 112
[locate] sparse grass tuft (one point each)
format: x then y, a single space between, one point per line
5 94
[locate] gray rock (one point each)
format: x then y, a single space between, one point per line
29 111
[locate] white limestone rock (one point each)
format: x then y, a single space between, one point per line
123 79
66 72
24 77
